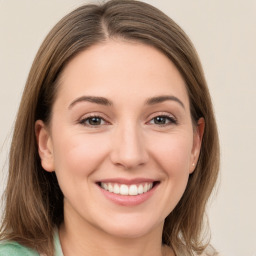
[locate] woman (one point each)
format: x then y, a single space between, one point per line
115 148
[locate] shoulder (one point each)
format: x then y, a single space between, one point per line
10 248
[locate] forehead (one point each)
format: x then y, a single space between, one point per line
121 70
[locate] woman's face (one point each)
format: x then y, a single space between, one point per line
121 139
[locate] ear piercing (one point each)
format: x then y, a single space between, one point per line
193 164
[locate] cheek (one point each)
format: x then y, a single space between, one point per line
173 153
78 155
173 156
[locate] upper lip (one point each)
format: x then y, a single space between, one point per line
127 181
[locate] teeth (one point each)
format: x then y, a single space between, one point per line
110 188
145 188
105 186
140 189
116 188
133 190
123 189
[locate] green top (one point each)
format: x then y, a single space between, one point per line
9 248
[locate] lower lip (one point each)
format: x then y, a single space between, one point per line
128 200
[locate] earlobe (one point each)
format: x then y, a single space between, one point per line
197 141
45 148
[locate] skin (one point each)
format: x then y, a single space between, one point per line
127 142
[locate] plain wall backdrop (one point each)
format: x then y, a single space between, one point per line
224 34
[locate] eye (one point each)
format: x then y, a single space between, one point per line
93 121
163 120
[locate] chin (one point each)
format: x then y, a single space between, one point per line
131 227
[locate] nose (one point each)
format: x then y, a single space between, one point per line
128 147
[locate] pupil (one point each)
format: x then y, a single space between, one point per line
160 120
94 121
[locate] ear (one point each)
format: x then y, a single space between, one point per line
45 147
197 141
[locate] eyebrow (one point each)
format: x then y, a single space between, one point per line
92 99
160 99
106 102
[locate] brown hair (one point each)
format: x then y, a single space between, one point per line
34 201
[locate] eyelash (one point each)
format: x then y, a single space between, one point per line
170 121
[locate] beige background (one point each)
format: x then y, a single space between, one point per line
224 33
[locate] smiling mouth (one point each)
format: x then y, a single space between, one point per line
128 190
